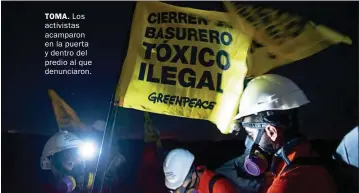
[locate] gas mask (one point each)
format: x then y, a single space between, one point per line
257 162
71 172
259 159
82 183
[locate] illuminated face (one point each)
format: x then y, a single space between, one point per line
266 141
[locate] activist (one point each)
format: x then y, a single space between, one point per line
69 158
234 171
347 151
268 113
346 162
150 173
61 155
182 176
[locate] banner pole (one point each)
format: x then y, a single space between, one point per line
105 149
107 138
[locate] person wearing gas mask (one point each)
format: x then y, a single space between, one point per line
234 171
182 176
268 113
73 163
65 155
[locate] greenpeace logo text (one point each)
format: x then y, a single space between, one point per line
180 101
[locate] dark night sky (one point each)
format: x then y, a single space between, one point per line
330 78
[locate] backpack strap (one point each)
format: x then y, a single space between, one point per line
314 161
213 181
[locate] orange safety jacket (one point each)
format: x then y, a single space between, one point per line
300 178
221 185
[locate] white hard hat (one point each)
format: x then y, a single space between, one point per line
176 166
270 92
60 141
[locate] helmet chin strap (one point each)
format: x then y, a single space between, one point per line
288 146
259 136
194 182
256 141
281 153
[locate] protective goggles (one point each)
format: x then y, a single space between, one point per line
256 125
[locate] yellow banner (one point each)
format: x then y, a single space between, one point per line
66 117
279 38
183 62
